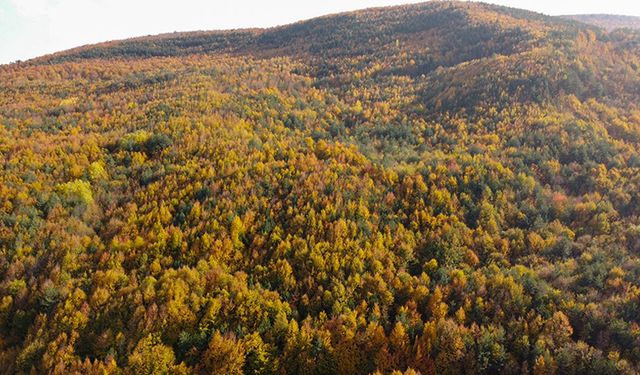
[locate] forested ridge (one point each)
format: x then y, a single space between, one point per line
439 188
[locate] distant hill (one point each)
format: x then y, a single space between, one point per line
607 21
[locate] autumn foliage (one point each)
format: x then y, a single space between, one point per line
428 189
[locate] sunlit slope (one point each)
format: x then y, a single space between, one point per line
434 188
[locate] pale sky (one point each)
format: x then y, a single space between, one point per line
31 28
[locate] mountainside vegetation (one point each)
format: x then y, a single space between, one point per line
439 188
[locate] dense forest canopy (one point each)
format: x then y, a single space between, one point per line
437 188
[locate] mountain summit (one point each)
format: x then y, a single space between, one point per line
463 39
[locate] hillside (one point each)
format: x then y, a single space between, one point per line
607 21
446 187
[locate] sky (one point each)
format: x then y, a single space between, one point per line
31 28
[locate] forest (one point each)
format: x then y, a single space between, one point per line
437 188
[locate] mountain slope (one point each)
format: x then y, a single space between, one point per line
446 187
